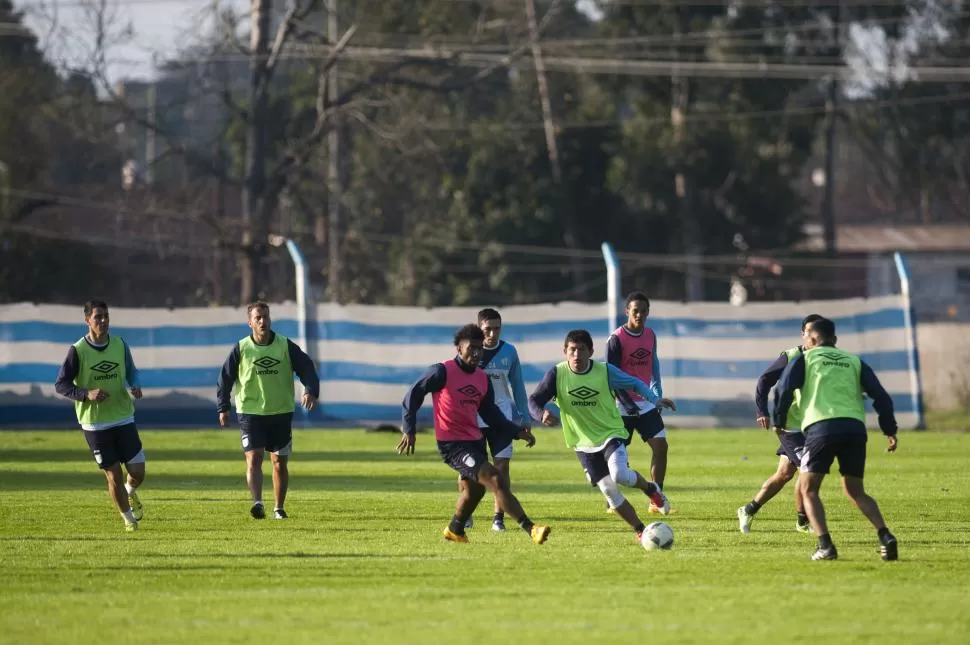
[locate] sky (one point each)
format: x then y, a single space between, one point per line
158 28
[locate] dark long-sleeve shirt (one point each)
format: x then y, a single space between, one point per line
793 378
767 381
616 378
434 380
64 385
614 356
301 363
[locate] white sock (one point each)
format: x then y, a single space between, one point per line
129 488
129 518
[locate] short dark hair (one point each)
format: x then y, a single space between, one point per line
469 332
259 304
580 337
635 296
488 314
810 318
91 305
825 328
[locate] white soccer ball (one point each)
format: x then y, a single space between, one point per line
658 535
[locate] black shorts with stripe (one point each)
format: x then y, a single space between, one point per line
115 445
647 425
464 457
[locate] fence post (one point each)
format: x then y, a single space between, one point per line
612 285
912 350
299 264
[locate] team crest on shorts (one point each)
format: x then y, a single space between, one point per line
97 456
469 461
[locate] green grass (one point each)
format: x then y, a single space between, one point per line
362 559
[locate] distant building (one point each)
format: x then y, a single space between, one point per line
938 256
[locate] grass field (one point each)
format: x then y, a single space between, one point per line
361 558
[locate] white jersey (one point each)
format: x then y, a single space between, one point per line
505 374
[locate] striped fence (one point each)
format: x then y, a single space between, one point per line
711 354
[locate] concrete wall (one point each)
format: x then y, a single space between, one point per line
944 350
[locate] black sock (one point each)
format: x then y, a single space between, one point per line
526 524
499 517
651 489
802 519
751 507
640 528
660 485
457 526
884 534
825 541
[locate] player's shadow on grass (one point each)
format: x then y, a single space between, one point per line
160 482
194 454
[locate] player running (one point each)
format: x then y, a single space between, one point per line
461 392
591 423
791 439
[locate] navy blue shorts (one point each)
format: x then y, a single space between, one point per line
272 432
792 446
114 445
821 450
498 442
596 463
647 425
464 457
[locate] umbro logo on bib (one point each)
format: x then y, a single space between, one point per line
469 390
104 369
266 365
584 395
640 354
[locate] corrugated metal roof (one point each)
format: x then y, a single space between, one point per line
886 239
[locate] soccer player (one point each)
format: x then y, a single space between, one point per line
98 375
461 392
261 366
591 423
501 362
633 349
792 441
832 382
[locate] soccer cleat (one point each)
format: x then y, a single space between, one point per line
825 554
257 511
279 514
640 537
454 537
469 523
889 549
803 528
744 520
659 501
539 533
137 510
498 526
130 527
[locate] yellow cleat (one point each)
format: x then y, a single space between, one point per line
540 533
137 510
454 537
131 527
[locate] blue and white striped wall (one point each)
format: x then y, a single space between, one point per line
711 354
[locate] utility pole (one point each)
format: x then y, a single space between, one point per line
152 100
831 124
254 230
690 231
552 145
334 183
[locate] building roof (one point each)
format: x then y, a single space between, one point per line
887 239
